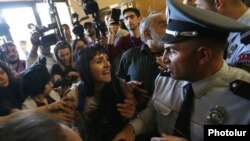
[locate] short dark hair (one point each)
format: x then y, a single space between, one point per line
31 126
135 10
34 80
87 25
65 25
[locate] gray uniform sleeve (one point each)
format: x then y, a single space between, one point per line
145 121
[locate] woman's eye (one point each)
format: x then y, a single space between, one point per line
99 61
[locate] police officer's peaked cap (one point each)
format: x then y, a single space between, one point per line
185 21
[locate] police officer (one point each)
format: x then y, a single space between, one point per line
195 41
238 50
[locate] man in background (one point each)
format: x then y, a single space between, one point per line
12 58
45 56
131 18
67 33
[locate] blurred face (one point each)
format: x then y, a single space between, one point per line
45 50
131 20
158 27
12 54
107 19
67 32
203 4
48 88
181 60
4 79
100 68
79 44
23 45
89 31
64 56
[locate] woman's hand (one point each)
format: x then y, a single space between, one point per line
140 93
127 108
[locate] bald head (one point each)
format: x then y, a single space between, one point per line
230 8
152 22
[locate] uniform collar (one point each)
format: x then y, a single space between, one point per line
202 86
245 17
145 48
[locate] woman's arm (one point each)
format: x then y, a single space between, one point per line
127 108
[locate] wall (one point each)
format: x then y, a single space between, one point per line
107 3
147 6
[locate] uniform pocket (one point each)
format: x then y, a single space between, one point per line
161 108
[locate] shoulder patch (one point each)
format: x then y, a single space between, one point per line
240 88
245 37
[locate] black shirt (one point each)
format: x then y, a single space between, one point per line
140 65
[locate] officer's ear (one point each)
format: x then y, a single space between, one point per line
204 55
219 4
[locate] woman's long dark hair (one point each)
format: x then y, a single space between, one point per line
105 121
8 71
11 93
85 55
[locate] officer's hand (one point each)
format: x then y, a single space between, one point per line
168 138
127 134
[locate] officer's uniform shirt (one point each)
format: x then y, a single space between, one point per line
210 92
238 54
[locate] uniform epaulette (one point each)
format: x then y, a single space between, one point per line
240 88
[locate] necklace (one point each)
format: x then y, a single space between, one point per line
132 40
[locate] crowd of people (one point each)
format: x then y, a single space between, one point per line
159 78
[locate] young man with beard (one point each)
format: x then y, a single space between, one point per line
131 19
90 33
44 56
12 57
